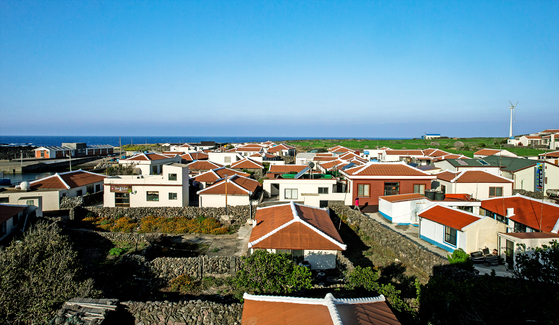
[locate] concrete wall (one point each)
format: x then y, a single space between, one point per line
479 191
524 179
433 233
219 157
44 200
403 213
483 234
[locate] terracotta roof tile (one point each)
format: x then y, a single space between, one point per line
72 179
446 175
8 211
486 152
247 163
203 165
450 217
214 175
385 169
286 168
527 211
403 197
236 185
280 147
530 235
272 313
404 152
480 176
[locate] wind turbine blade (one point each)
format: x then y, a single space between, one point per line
511 104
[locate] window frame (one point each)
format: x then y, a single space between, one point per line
363 190
494 190
173 196
172 176
386 193
420 186
323 190
290 197
449 234
152 196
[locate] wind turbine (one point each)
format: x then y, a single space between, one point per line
511 118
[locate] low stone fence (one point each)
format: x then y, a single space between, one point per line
534 195
184 312
408 251
168 268
122 236
67 203
233 215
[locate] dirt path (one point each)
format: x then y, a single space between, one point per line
224 245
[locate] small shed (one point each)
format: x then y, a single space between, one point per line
402 209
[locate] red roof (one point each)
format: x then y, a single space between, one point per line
217 174
203 165
296 227
284 169
67 180
385 169
339 149
446 175
486 152
149 157
450 217
280 147
527 211
278 310
480 176
554 154
404 152
235 185
247 163
435 152
8 211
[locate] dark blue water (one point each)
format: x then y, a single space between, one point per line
113 140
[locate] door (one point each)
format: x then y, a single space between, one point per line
510 254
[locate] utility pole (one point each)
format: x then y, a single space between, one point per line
226 178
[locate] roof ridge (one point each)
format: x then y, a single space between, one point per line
63 182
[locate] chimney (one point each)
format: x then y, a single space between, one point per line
510 212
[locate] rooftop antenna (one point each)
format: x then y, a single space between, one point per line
511 118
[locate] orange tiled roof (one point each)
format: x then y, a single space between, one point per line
277 310
324 154
446 175
385 169
67 180
203 165
286 168
450 217
149 157
217 174
294 226
236 185
486 152
322 158
280 147
527 235
247 163
8 211
404 152
480 176
554 154
339 149
435 152
527 211
403 197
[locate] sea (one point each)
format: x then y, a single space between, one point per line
39 141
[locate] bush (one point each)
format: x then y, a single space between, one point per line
182 283
461 259
38 274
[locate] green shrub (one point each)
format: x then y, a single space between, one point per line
182 283
461 259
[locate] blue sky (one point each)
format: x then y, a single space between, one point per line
278 68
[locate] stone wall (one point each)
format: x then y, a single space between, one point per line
122 236
168 268
535 195
184 312
67 203
233 215
408 251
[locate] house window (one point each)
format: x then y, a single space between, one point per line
290 193
172 177
363 190
3 229
227 160
122 199
450 235
4 200
419 188
30 202
518 227
323 190
97 188
443 189
79 192
391 188
152 196
172 196
495 191
89 189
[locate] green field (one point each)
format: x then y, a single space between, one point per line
471 145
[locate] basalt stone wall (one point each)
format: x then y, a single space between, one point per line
409 252
122 236
233 215
535 195
184 312
67 203
168 268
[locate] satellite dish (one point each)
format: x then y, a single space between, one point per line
24 186
311 164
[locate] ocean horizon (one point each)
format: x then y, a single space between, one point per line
40 140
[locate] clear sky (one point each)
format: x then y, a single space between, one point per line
278 68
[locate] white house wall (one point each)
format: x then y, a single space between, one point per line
321 259
524 179
433 233
403 213
307 190
219 157
216 200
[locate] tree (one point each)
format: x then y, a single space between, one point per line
461 259
541 265
264 272
38 274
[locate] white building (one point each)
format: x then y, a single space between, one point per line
224 158
479 184
305 232
451 229
231 191
311 192
170 189
13 217
403 209
151 163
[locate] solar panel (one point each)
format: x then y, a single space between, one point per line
462 162
483 162
348 166
299 174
